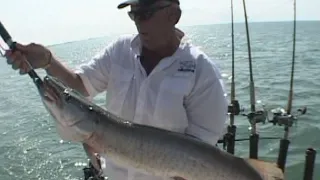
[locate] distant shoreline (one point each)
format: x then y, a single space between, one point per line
187 26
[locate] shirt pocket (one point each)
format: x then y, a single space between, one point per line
118 86
169 110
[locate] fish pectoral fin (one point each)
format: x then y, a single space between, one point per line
269 171
93 156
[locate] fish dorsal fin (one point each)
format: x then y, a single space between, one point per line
268 171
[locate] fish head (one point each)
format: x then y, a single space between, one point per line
71 111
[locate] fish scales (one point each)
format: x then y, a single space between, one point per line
170 154
155 151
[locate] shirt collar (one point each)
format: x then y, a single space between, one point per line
136 43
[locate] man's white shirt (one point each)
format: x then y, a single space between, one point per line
184 93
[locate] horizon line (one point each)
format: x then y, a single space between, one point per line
205 24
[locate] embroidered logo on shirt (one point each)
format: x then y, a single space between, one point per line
187 66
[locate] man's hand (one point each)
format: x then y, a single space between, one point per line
32 54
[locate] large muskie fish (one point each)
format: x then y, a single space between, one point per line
152 150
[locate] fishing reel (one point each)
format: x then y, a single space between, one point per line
234 108
281 117
259 116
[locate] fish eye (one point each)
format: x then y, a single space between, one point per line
66 94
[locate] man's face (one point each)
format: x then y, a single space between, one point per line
152 23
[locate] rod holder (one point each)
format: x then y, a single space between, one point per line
309 164
254 141
230 139
282 157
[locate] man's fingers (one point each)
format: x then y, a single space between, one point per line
7 53
21 47
16 59
16 65
22 72
24 68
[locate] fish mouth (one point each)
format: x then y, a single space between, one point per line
54 83
53 89
56 92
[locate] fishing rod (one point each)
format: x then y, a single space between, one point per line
90 172
12 46
229 140
254 116
284 116
234 107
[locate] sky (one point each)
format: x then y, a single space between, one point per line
57 21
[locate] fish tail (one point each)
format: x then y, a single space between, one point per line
268 171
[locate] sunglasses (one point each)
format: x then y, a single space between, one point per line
145 13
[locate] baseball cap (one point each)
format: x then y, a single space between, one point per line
141 3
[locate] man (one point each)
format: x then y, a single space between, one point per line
154 78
